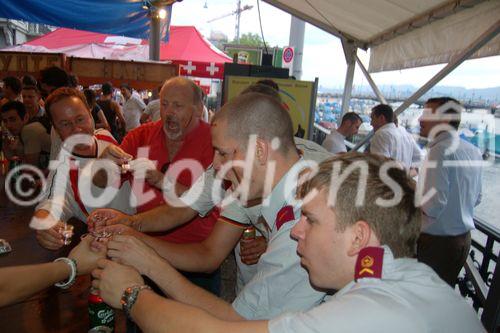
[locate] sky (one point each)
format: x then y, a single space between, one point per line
323 56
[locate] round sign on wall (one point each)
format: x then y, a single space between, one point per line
288 54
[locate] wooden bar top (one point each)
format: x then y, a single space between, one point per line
52 310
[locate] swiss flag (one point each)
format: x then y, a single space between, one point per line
201 69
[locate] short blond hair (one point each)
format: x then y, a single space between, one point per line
397 226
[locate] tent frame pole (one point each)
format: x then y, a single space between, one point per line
350 57
452 65
154 36
372 83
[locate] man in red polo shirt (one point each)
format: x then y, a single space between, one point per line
151 148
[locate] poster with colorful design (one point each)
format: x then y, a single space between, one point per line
299 98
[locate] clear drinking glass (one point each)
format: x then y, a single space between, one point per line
66 231
100 220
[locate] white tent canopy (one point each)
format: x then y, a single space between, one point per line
403 33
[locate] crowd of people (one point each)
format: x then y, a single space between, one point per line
27 132
176 194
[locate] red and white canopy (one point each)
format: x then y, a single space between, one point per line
186 47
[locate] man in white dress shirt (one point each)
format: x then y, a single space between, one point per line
334 142
388 140
417 153
152 110
456 177
132 108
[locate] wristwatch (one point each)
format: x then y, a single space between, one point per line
130 296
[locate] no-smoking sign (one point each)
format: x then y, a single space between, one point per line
288 55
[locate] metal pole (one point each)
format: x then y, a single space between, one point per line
377 91
154 36
350 53
297 31
454 63
238 15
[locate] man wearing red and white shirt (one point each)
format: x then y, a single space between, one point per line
67 193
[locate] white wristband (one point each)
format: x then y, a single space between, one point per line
72 276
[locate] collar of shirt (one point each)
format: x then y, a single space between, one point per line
336 133
445 135
388 127
283 194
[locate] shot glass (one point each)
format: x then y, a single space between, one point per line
125 167
66 231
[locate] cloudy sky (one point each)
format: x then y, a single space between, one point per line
323 56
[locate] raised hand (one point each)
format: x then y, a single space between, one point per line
115 229
48 232
129 250
112 279
116 154
102 217
86 258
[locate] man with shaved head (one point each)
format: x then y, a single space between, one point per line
255 151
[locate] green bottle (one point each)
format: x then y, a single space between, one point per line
101 315
13 163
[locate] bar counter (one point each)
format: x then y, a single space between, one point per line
52 310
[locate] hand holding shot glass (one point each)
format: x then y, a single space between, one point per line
104 217
118 156
51 233
99 219
66 231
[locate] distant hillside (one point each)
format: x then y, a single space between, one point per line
488 95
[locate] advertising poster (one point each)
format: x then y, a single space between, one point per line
299 97
246 55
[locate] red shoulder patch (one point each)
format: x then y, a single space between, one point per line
369 263
284 215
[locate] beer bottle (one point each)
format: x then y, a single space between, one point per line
3 164
248 233
101 315
14 162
